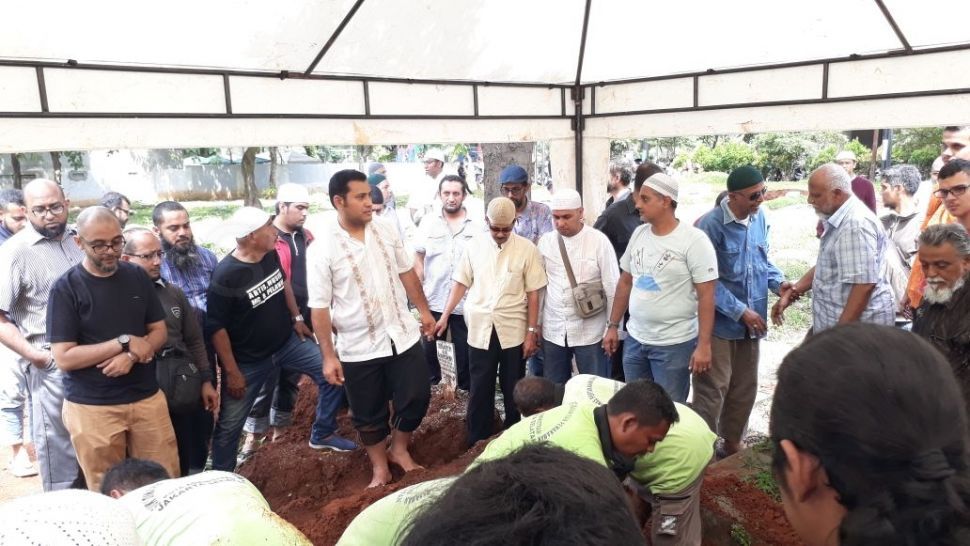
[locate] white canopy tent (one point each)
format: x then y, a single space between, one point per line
108 74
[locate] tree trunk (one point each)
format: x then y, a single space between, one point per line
274 159
499 156
56 162
18 178
249 190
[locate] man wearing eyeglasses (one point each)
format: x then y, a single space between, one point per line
953 183
502 274
725 395
105 324
30 262
143 248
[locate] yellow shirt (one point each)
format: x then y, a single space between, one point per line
498 280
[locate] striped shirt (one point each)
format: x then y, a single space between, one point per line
852 251
194 280
29 265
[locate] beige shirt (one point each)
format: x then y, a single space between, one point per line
498 280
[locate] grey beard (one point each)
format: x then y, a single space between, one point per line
942 295
181 258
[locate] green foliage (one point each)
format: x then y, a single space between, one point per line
680 161
785 201
726 156
919 146
327 154
825 155
199 152
268 193
765 481
740 536
74 159
782 151
713 178
219 211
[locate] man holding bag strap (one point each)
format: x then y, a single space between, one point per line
582 269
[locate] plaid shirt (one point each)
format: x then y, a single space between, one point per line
194 281
852 251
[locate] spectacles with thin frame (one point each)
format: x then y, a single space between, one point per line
955 191
150 256
54 210
101 248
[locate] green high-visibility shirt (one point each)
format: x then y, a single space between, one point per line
380 524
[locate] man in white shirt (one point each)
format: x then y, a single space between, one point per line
668 279
442 238
360 280
502 274
565 334
422 199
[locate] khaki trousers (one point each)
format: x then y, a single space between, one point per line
676 517
103 436
724 396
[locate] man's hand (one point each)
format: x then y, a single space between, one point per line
531 346
778 311
210 399
440 326
302 330
40 359
700 361
333 371
235 383
429 328
756 325
611 341
142 350
118 365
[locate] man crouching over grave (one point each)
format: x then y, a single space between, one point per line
668 476
359 279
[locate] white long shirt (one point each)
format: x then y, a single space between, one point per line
592 259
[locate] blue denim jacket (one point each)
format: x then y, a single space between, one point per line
746 273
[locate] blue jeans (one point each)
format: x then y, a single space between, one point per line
590 359
300 356
667 365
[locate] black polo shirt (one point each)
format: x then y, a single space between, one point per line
617 222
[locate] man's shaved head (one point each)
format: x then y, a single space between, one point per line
47 207
94 215
41 187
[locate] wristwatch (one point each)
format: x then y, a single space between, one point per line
611 324
124 340
532 330
298 318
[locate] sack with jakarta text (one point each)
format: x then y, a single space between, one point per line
180 380
207 509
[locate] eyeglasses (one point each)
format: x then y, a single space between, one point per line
956 191
100 248
501 229
513 190
55 209
126 211
150 256
758 194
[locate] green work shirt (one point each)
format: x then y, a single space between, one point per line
380 523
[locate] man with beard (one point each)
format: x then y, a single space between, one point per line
105 324
532 219
942 318
185 341
619 184
13 215
899 185
119 205
30 262
441 240
186 265
847 281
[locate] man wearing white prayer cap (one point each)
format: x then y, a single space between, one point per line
582 270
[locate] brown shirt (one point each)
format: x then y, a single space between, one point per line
184 332
947 327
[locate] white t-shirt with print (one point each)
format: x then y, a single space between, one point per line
663 301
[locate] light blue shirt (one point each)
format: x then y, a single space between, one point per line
442 250
745 273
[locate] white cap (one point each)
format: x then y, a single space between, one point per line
845 155
292 193
69 516
566 200
434 153
663 184
247 220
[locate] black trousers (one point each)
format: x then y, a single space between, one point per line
192 433
459 336
482 367
402 379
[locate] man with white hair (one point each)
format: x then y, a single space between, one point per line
582 272
942 318
847 281
668 281
502 274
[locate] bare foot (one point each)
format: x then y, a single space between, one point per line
381 478
731 448
404 460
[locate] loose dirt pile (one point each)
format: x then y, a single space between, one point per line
321 493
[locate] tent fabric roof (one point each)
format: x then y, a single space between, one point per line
512 41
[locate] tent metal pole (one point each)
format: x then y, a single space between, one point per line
578 93
333 37
892 22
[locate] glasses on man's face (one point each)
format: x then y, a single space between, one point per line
102 248
54 210
758 194
500 229
126 212
150 256
955 191
513 190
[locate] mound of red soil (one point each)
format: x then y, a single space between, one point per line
321 492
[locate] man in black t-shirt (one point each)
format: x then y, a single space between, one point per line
257 330
105 323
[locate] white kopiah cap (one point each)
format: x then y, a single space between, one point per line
292 193
664 185
247 220
434 153
845 155
566 200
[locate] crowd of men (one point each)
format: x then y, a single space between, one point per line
139 342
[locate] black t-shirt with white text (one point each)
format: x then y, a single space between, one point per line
247 300
87 310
